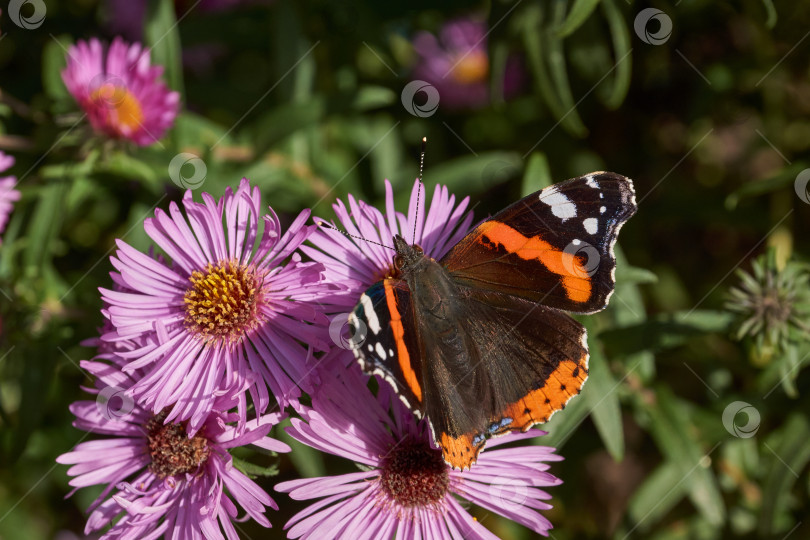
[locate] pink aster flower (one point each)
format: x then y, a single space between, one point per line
162 481
457 64
120 91
8 195
404 488
226 308
357 264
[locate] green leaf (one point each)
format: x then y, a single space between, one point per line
600 393
254 471
659 493
620 35
473 174
534 41
783 179
634 275
790 452
163 40
126 166
558 69
770 9
580 11
307 460
537 175
53 62
672 430
667 330
44 226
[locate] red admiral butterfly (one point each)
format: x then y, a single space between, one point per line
479 342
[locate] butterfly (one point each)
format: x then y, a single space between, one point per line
479 342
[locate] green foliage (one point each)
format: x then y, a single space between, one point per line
304 98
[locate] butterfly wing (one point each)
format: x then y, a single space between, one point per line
390 348
515 362
554 246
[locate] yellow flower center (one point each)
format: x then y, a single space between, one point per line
222 303
472 68
123 110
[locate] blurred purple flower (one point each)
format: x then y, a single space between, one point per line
8 195
120 91
404 488
457 64
358 264
162 481
226 309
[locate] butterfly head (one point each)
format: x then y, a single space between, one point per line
408 255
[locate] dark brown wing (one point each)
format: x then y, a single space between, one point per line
511 364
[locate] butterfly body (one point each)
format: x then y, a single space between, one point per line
478 341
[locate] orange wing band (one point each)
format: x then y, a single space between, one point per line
575 278
399 336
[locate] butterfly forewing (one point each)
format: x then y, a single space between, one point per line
554 246
388 342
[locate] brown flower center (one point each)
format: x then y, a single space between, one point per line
413 474
222 303
171 450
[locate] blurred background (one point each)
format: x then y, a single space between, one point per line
695 420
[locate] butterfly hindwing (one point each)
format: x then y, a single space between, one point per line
521 362
554 246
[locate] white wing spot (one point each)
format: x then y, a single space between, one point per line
576 241
591 225
391 352
601 195
371 315
380 351
602 210
591 182
561 206
370 348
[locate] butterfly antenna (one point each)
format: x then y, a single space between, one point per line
330 226
419 189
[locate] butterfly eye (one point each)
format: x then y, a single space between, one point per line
398 262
